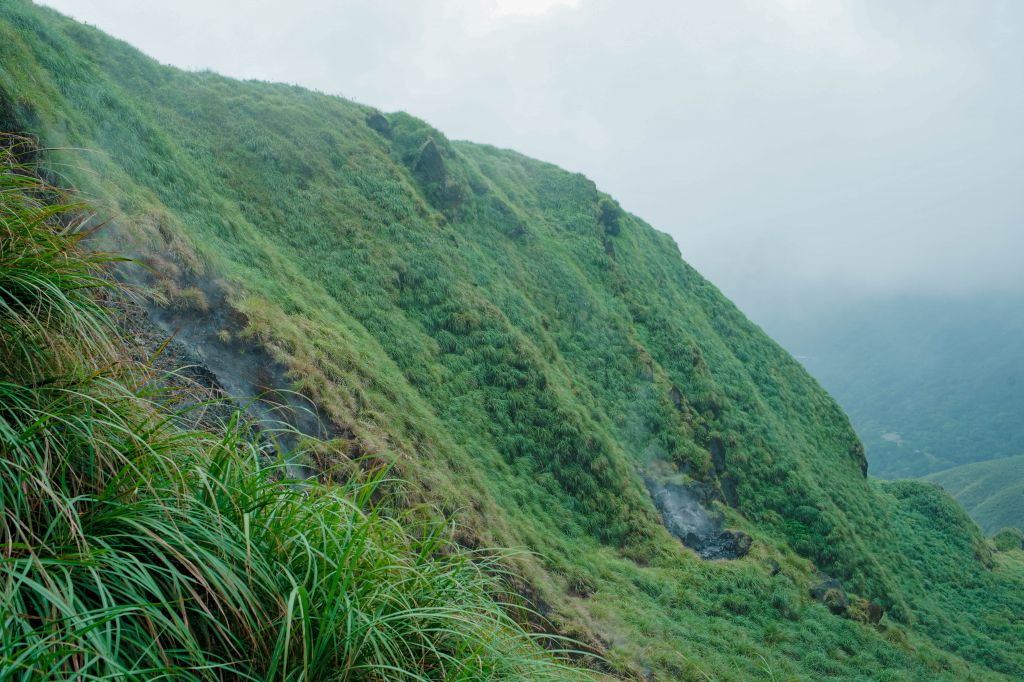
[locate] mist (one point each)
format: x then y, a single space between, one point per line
799 152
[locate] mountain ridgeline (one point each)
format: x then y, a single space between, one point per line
992 492
532 360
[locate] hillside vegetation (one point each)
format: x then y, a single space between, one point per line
528 356
136 548
992 492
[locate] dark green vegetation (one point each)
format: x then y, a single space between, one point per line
135 548
1008 539
992 492
524 352
929 382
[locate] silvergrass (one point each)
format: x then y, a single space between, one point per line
134 548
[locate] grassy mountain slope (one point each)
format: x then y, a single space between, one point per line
992 492
929 382
136 546
525 352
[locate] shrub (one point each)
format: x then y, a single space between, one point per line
1008 539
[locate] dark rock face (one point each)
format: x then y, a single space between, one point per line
444 191
830 592
688 519
189 384
725 544
717 449
430 164
705 493
609 214
728 484
220 362
858 453
725 479
865 611
377 122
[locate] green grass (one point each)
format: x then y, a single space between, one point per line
522 351
992 492
132 548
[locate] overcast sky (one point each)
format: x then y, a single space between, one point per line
792 147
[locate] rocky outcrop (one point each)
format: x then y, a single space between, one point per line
700 529
216 370
444 191
865 611
829 591
724 544
609 215
378 122
430 166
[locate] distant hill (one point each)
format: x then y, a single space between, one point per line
991 492
930 383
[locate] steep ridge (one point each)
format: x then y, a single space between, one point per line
525 352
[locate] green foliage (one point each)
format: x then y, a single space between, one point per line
522 351
992 492
1008 539
965 598
135 549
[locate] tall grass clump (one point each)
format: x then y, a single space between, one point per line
132 548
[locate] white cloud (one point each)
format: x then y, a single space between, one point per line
785 144
527 8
